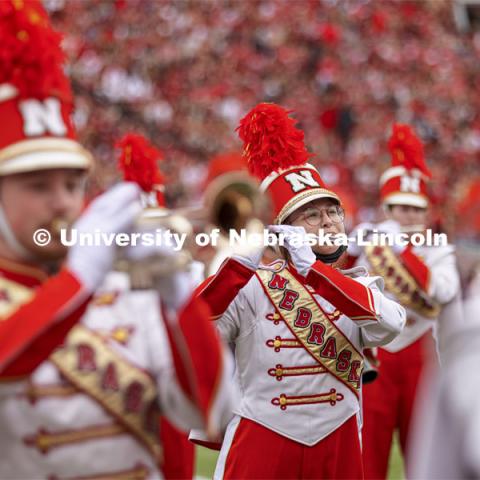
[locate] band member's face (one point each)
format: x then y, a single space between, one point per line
42 199
407 215
320 215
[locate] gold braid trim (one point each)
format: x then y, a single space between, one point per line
280 371
283 401
331 363
44 440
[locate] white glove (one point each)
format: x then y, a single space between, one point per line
176 289
251 260
112 212
142 251
388 226
393 227
296 243
354 248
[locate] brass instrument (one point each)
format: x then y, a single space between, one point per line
57 225
232 201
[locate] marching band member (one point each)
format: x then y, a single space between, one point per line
422 279
446 428
298 325
86 364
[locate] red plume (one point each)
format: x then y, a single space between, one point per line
138 162
271 140
407 149
31 56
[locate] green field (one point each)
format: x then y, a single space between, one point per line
206 463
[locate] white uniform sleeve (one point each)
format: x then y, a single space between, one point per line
391 316
175 404
236 321
444 278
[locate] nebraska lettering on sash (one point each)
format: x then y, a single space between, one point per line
85 358
125 391
288 300
317 334
304 315
278 282
330 348
110 378
313 329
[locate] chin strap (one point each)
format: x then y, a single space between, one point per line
9 237
331 257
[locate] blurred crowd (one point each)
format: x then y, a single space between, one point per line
185 72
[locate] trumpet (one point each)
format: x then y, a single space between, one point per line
232 202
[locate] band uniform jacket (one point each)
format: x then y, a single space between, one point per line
306 384
91 408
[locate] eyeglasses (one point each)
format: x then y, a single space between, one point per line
313 216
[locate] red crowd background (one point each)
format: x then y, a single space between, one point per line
184 73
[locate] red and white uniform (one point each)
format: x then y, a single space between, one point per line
287 399
54 427
389 401
447 428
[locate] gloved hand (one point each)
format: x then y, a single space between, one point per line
250 260
175 290
300 251
388 226
393 227
354 249
112 212
167 248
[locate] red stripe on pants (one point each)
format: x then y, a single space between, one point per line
257 452
388 403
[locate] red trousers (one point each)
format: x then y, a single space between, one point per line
258 453
388 403
178 452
